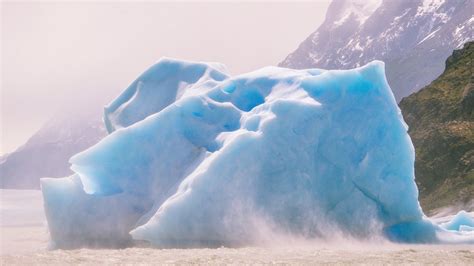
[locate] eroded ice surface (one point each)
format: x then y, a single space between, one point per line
197 157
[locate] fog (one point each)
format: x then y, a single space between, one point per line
57 55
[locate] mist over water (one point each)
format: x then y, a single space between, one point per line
29 244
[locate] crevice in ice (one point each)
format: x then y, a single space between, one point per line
380 206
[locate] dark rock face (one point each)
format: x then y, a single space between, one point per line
413 38
441 121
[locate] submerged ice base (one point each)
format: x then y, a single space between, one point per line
198 158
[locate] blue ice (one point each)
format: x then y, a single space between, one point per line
196 157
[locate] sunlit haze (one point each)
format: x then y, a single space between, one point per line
56 55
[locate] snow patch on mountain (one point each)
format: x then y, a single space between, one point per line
429 6
414 38
464 33
359 9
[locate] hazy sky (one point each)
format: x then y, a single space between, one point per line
59 54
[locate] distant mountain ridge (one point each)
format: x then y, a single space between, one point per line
413 38
47 152
441 124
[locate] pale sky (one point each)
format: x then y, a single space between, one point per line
57 54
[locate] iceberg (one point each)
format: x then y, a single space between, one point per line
462 221
196 157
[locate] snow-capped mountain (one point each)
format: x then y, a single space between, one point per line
413 37
47 152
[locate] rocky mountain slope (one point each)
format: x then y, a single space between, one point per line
441 121
47 152
413 38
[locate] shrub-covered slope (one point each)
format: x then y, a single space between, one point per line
441 121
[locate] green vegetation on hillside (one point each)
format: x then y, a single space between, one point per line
441 125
